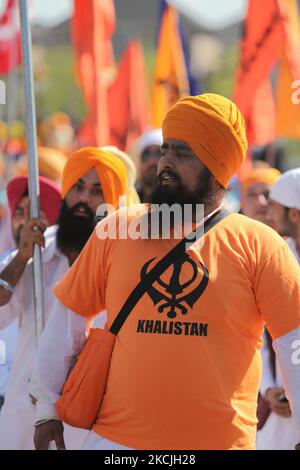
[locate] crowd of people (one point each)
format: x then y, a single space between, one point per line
186 368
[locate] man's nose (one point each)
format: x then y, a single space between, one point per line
167 161
84 196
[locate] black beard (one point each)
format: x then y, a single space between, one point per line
204 194
180 195
74 231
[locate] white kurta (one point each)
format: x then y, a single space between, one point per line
292 244
278 433
18 414
8 335
8 342
7 242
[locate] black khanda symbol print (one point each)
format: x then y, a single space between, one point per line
173 296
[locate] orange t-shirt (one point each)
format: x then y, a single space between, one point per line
186 365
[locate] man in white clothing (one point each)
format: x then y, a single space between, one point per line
149 155
279 431
285 208
17 196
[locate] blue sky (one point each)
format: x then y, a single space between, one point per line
213 13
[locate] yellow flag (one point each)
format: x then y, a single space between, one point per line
170 74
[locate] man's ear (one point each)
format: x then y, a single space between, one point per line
294 215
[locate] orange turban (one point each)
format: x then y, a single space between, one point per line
111 171
214 128
268 176
132 195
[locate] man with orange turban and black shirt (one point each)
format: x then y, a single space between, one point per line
186 363
91 177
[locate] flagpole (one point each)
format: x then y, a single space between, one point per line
33 183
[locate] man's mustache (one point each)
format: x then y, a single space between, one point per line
169 173
84 207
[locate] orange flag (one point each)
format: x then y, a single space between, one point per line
170 73
92 27
290 13
268 32
262 43
261 124
128 98
288 113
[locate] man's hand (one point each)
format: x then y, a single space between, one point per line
48 431
272 397
31 233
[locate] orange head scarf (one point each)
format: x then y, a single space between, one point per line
132 195
214 128
111 171
268 176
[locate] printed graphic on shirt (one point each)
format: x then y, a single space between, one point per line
169 327
175 296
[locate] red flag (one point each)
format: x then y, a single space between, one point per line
10 46
128 98
93 27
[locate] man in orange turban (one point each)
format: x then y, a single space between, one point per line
186 365
255 190
90 178
110 170
213 128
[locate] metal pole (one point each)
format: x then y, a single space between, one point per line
33 183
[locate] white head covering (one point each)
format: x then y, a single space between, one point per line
152 137
286 190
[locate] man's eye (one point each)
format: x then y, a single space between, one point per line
78 187
97 192
183 154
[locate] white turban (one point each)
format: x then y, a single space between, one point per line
152 137
286 190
